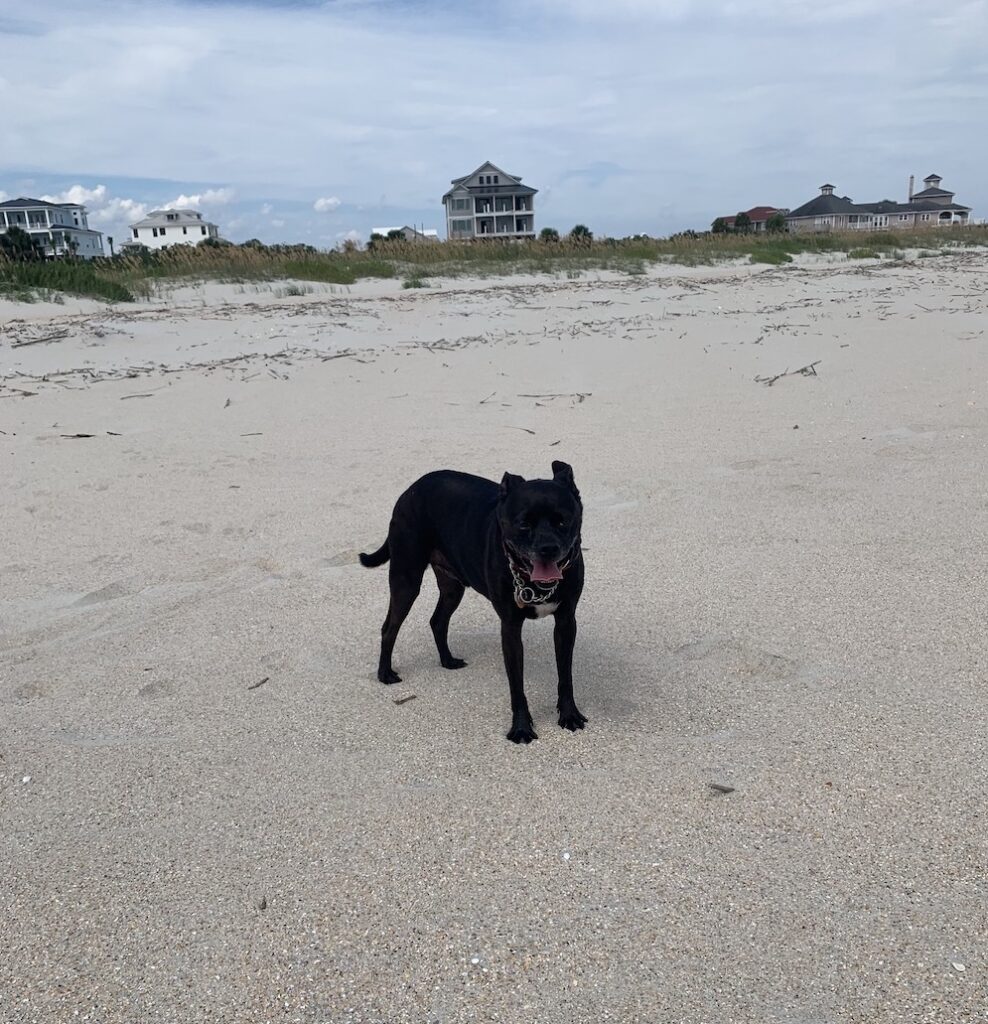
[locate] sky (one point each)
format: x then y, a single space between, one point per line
315 122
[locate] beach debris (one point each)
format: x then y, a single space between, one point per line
566 855
26 779
226 404
54 336
958 967
263 905
256 433
76 435
552 444
718 787
405 700
18 392
809 370
254 686
146 394
487 399
527 431
580 396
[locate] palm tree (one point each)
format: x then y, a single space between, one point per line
581 233
17 244
549 235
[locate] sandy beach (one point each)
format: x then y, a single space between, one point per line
211 809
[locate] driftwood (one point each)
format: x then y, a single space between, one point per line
57 336
806 371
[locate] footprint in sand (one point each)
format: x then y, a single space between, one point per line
111 592
341 558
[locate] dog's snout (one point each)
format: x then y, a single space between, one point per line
548 551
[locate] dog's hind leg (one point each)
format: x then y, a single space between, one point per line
406 581
450 595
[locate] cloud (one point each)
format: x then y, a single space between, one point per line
211 197
327 205
266 209
111 214
276 223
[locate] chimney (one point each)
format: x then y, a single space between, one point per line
911 180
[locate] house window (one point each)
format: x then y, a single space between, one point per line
185 231
203 230
135 233
495 179
154 231
162 230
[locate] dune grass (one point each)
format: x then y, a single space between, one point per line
132 276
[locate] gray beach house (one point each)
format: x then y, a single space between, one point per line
490 203
931 208
58 229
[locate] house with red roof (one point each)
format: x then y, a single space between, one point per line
757 215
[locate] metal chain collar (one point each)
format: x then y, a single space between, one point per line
528 591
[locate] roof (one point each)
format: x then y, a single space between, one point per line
24 204
515 186
492 190
175 218
928 193
821 206
931 177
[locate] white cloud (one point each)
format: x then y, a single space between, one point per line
112 215
276 223
266 209
327 205
211 197
3 196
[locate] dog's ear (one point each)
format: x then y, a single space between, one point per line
562 473
509 481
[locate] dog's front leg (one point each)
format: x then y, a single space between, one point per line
522 730
564 639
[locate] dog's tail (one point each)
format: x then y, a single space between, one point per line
379 557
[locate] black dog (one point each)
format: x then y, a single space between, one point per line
517 544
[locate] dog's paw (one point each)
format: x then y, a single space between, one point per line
389 677
571 718
454 663
522 731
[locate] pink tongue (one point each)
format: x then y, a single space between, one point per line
545 572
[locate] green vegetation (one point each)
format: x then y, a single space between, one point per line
139 274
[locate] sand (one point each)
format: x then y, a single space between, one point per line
786 596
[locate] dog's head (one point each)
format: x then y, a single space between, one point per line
540 521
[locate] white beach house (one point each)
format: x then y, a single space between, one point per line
162 228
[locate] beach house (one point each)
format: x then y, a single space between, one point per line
162 228
932 207
489 203
58 229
